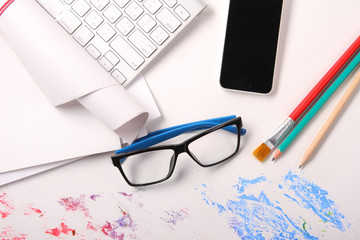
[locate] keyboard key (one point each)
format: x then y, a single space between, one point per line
106 64
94 52
123 36
168 19
121 3
127 53
146 23
159 35
125 26
112 58
68 1
54 8
68 21
106 32
81 7
112 13
170 3
134 10
181 12
83 35
94 19
142 43
118 76
152 5
99 4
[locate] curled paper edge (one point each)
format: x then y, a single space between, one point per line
117 109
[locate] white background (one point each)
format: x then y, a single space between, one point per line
185 83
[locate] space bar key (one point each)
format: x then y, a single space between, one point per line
127 53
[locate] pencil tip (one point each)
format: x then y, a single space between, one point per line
276 155
300 167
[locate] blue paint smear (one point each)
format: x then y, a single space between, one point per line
311 196
259 217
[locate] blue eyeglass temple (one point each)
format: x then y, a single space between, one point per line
168 133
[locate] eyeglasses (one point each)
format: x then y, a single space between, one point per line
142 165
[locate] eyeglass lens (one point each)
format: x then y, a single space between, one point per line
215 146
153 166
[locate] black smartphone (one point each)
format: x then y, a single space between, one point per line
250 47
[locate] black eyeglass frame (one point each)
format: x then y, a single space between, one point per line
178 149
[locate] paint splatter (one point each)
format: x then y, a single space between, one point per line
86 212
111 230
129 196
30 210
6 207
260 209
94 196
120 228
62 229
312 197
173 217
75 204
10 233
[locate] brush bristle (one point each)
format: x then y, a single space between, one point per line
262 152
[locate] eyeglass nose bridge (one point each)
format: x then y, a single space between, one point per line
184 148
181 148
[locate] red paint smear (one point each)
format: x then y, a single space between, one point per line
4 214
33 210
75 204
107 227
8 233
36 210
91 226
63 229
55 232
6 204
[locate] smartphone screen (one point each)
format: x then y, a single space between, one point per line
250 45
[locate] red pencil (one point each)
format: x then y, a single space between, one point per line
265 148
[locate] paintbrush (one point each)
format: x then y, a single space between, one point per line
281 132
317 106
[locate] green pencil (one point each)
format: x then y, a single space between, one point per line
317 106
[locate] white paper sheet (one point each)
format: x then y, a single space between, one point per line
12 176
37 136
33 132
65 72
138 89
62 69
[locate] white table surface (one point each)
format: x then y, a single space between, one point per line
243 198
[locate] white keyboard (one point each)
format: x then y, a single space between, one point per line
123 35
